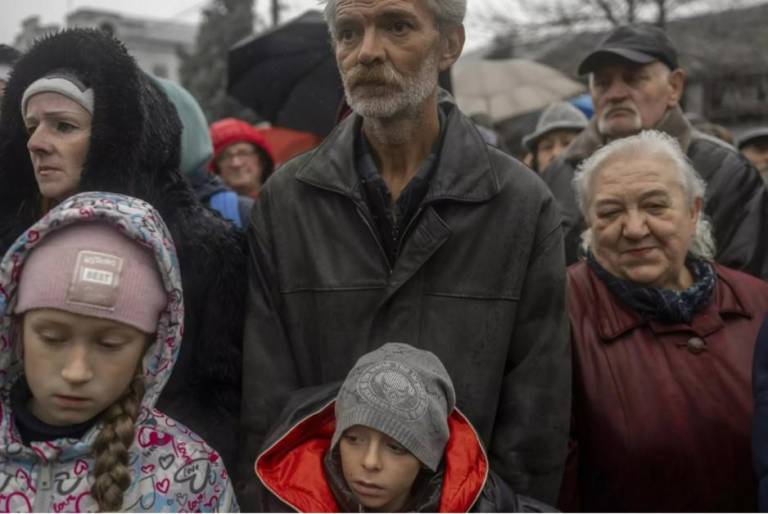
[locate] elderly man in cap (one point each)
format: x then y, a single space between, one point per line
558 125
636 84
404 225
753 145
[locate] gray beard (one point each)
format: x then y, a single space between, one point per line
411 92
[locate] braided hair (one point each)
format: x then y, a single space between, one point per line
112 475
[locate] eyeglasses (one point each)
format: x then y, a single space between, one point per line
243 153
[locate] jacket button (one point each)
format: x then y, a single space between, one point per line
696 345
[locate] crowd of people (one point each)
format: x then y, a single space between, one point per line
402 318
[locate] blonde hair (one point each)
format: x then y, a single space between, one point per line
112 476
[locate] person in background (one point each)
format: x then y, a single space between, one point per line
389 440
91 317
753 145
196 153
241 156
636 84
79 115
558 125
405 225
760 418
663 339
8 56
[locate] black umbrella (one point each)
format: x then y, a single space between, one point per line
288 75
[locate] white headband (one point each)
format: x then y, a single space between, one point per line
63 85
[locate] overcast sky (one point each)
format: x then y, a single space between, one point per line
12 12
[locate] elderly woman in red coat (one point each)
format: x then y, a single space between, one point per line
662 342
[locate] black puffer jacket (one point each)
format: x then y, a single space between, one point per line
736 200
302 474
134 150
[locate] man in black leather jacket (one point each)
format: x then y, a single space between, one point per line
636 84
404 225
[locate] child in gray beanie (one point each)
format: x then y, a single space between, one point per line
388 440
402 392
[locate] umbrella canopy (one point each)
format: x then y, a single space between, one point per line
288 75
508 87
286 143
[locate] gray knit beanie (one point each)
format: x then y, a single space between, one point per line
402 392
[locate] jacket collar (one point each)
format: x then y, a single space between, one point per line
617 319
464 172
590 140
292 467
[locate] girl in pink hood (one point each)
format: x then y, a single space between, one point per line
91 319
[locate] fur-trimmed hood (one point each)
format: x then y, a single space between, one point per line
135 136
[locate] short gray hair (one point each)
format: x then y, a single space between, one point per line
449 13
649 143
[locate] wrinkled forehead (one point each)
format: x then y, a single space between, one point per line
637 172
372 9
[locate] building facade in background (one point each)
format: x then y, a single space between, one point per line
153 43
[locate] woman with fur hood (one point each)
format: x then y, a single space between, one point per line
91 317
79 115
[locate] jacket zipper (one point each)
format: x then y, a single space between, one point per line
42 501
375 235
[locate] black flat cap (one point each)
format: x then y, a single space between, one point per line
638 43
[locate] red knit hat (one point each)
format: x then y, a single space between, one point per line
229 131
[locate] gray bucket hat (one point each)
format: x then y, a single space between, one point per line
558 116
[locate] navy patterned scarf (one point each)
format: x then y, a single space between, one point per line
662 304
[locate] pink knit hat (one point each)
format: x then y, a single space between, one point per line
91 269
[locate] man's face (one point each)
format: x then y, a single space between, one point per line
389 53
757 153
2 89
629 97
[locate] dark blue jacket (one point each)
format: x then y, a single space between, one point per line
760 419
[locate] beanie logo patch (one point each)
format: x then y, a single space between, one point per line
95 280
395 387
